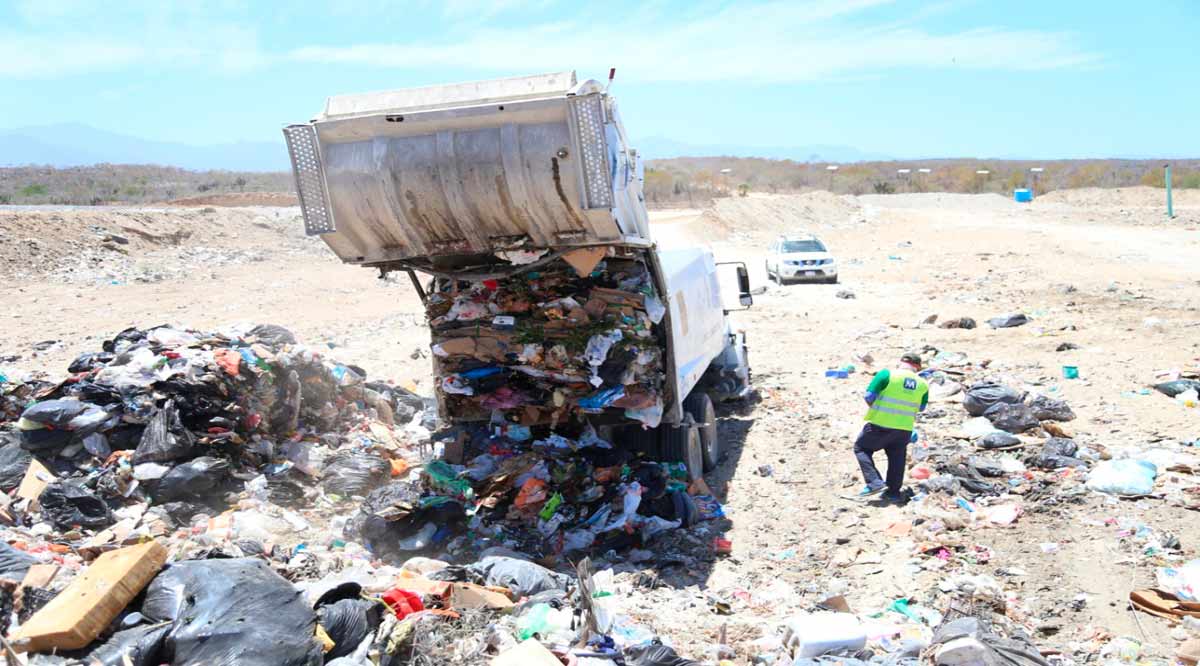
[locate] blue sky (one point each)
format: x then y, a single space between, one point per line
959 78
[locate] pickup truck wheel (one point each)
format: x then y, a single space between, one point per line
683 445
700 406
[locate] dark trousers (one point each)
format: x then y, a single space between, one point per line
892 442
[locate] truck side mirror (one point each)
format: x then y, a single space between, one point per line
746 299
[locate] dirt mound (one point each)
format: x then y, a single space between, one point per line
940 200
1121 197
88 246
761 217
237 199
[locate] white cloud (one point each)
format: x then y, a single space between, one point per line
764 43
767 42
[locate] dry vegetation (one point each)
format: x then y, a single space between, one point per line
127 183
695 181
682 181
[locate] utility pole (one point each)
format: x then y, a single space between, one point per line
832 169
1036 171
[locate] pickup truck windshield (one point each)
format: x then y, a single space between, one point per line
803 246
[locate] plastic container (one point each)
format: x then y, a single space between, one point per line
820 633
1022 195
1070 372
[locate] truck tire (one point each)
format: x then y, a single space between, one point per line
700 406
682 444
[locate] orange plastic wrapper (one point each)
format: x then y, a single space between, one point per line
532 495
399 466
229 360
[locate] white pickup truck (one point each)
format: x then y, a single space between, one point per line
447 180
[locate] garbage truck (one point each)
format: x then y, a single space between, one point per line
550 305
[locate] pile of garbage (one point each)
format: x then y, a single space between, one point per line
184 420
576 335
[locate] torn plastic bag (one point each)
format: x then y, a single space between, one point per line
1049 409
14 461
655 655
97 445
985 466
68 504
193 481
179 513
1008 321
522 577
89 361
14 564
1059 446
232 612
164 439
347 473
967 641
1012 418
348 622
980 397
142 646
1172 389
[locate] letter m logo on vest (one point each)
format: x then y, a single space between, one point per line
898 404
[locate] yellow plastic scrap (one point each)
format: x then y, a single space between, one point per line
327 643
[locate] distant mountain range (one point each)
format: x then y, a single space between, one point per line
69 145
81 145
660 148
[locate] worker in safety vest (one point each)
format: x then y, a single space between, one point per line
895 397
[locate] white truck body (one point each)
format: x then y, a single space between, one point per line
429 178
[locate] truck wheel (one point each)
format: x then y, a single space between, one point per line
700 406
683 445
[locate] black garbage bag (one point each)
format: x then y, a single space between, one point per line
655 655
14 461
232 612
1049 409
981 397
998 440
39 441
348 622
1059 446
273 335
1057 452
97 445
164 439
143 645
56 414
125 437
348 473
69 504
89 361
194 481
985 466
1012 418
1008 321
124 340
14 564
522 577
1172 389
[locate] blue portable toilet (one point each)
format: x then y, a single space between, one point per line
1022 195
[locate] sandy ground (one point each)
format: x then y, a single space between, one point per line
1102 269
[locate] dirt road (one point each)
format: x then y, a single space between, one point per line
1103 271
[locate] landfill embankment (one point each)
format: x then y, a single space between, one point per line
1036 537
